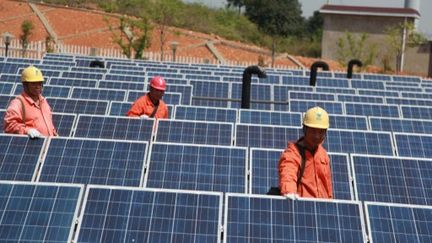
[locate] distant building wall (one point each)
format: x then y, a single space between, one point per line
419 59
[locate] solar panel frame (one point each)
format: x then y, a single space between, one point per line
362 109
70 105
123 85
349 122
86 201
48 90
297 95
249 116
98 94
38 223
383 93
416 112
413 145
28 157
403 125
186 165
416 95
199 113
274 136
391 179
64 123
121 171
360 98
73 82
6 88
408 101
265 224
332 107
419 233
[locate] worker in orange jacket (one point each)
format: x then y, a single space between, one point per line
30 113
151 105
316 179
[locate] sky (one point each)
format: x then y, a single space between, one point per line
309 6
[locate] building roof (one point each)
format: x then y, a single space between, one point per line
369 11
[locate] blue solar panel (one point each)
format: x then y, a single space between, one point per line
197 167
407 79
378 93
336 90
264 173
332 107
209 90
73 82
400 125
392 179
250 218
114 127
169 97
98 94
91 161
377 77
205 114
409 101
38 212
344 75
82 75
48 91
270 117
363 142
403 88
12 78
372 110
331 82
4 101
297 95
146 215
122 77
64 123
78 106
185 90
418 112
196 132
413 145
360 98
202 77
367 84
280 93
19 157
399 223
6 88
265 136
416 95
88 69
121 85
348 122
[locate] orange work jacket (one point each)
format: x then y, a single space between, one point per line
316 181
144 106
36 116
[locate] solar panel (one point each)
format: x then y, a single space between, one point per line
94 161
335 90
196 113
407 79
98 94
48 91
377 77
196 132
202 77
417 95
276 219
258 92
121 85
348 122
147 215
400 125
184 90
78 106
13 78
265 136
417 112
6 88
73 82
403 88
19 157
197 167
360 98
367 84
392 179
331 82
82 75
123 77
343 75
270 117
88 69
169 97
364 142
264 172
38 212
372 110
398 223
64 123
378 93
332 107
111 127
204 92
409 101
297 95
413 145
295 80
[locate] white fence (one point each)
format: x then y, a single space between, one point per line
37 50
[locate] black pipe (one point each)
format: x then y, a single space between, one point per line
314 68
246 85
350 67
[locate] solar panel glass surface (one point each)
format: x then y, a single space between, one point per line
265 136
413 145
205 114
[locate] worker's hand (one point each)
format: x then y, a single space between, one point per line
292 196
144 116
33 133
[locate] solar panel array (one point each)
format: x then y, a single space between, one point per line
202 174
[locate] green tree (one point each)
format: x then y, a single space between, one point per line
352 47
26 31
237 4
395 46
133 35
314 25
277 18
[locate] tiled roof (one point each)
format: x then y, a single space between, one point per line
377 11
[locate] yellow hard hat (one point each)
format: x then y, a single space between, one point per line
316 117
32 74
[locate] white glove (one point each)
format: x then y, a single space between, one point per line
33 133
144 116
292 196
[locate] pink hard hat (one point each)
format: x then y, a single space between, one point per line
157 82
